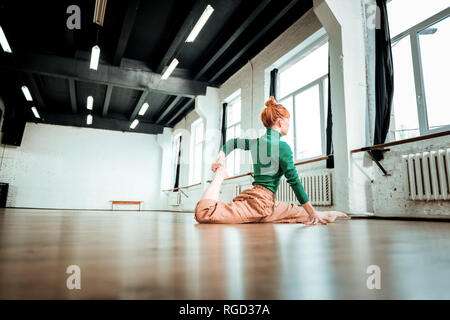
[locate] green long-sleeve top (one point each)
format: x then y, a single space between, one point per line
272 158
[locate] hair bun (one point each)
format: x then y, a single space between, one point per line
271 102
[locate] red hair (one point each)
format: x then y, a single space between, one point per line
273 112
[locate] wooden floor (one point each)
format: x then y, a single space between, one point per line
165 255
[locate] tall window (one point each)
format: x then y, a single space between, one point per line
420 33
303 88
234 131
175 152
196 151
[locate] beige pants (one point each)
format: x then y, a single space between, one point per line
252 205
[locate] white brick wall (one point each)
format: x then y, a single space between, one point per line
388 191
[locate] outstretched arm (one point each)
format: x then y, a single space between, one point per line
290 172
230 145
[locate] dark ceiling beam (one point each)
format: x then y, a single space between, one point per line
125 33
138 106
98 122
73 95
182 33
182 73
233 37
221 50
35 92
107 100
168 109
180 110
269 25
68 68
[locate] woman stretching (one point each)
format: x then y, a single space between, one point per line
272 158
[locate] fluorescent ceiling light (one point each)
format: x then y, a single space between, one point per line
200 23
89 119
143 109
99 12
27 93
95 56
170 69
4 42
90 102
36 113
134 123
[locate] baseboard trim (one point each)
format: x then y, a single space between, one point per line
109 210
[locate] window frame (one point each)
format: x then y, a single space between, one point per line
194 144
316 44
413 34
322 40
233 98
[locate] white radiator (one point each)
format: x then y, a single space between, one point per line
238 189
427 175
174 198
317 187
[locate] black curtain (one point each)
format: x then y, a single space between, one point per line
329 130
177 174
384 79
224 124
273 83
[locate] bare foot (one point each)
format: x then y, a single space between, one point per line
331 216
222 172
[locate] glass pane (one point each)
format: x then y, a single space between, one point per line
230 133
230 157
325 101
237 131
193 173
308 69
197 162
177 145
237 109
230 115
404 103
404 14
236 114
307 123
435 53
230 163
289 138
237 153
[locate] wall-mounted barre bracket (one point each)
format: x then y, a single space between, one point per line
377 162
183 193
175 190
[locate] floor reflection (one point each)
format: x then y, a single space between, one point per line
163 255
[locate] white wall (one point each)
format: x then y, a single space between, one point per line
82 168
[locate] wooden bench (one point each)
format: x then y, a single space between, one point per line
113 202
